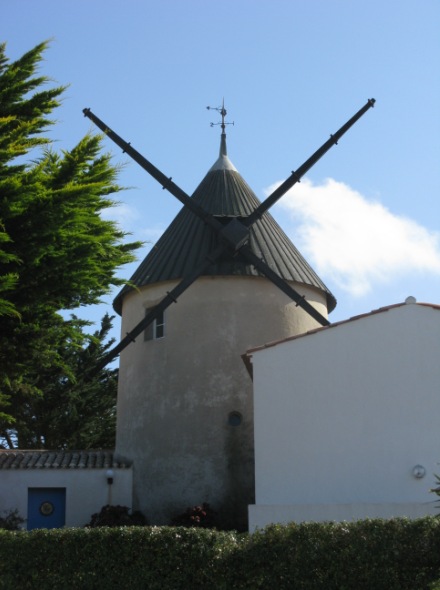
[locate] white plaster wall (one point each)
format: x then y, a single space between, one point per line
343 415
87 490
175 394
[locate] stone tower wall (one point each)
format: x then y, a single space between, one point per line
180 397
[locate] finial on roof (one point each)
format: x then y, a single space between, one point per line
223 112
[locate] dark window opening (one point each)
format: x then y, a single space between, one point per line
156 329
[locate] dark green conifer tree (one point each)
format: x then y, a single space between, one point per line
71 412
56 253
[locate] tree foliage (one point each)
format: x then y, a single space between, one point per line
56 251
68 412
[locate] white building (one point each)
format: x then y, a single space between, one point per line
346 419
52 489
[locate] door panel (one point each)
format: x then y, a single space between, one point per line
46 508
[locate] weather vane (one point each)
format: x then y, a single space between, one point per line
223 113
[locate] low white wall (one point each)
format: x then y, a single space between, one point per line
87 490
262 515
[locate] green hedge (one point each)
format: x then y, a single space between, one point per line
398 554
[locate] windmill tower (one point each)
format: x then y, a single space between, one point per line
185 412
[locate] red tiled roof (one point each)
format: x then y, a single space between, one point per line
247 356
43 459
335 324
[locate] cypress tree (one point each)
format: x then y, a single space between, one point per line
56 251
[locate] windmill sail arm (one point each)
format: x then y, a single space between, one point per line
305 167
170 297
232 237
283 285
161 178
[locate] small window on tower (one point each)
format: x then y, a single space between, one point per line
156 329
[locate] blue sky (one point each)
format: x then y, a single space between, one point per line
366 216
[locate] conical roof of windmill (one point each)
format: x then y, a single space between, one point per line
188 240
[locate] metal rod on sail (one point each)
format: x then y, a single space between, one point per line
283 285
299 173
165 181
169 298
232 237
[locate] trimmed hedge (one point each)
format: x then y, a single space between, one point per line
396 554
106 558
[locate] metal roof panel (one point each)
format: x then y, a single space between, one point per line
188 240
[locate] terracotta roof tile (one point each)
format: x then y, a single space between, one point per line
42 459
335 324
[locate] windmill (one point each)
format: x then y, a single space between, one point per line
233 237
185 405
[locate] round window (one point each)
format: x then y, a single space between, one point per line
235 419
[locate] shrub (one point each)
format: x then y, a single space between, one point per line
117 516
198 516
396 554
138 558
11 520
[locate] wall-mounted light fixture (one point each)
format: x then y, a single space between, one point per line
109 474
418 471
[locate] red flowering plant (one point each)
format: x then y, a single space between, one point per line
202 516
115 516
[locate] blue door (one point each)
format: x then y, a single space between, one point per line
46 508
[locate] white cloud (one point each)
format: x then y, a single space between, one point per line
355 242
